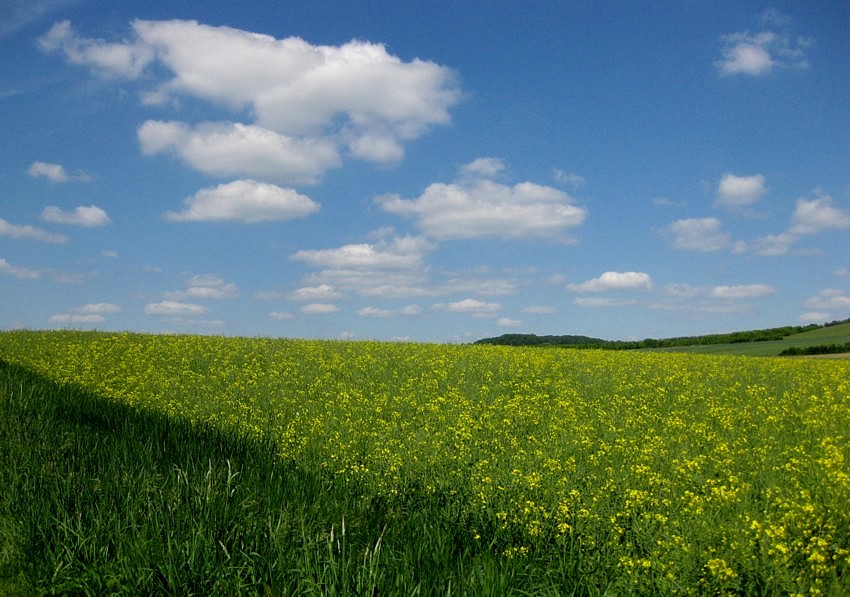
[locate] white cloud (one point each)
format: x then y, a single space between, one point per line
405 252
409 310
281 316
19 272
319 308
232 149
91 313
742 292
506 322
479 207
29 232
52 172
601 302
175 308
811 216
119 59
90 216
483 287
98 308
539 310
109 254
572 179
761 53
814 317
205 286
245 201
389 267
615 281
698 234
740 191
831 300
470 306
322 292
484 168
815 215
316 99
67 318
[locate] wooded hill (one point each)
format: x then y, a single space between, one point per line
763 335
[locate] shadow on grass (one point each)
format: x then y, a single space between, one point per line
102 498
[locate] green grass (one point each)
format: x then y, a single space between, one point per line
835 334
99 498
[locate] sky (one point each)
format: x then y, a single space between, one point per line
437 171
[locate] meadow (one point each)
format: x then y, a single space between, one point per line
198 464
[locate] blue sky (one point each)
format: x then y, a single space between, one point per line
436 171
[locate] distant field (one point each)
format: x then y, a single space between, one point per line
142 464
837 334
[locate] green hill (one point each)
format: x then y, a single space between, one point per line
826 338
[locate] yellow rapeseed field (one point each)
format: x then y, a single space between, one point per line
679 470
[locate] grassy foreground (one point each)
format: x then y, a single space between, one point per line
207 465
100 498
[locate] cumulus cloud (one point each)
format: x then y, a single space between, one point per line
307 101
322 292
742 292
54 172
16 271
470 306
281 316
89 216
319 309
539 310
409 310
740 191
601 302
815 215
29 232
232 149
830 300
506 322
246 201
615 281
205 286
90 313
698 234
390 267
761 53
477 206
811 216
175 308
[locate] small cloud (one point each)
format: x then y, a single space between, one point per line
615 281
572 179
87 314
109 254
319 309
246 201
322 292
742 292
815 215
599 302
30 232
539 310
281 316
54 173
410 310
505 322
484 168
470 306
175 308
698 234
830 299
740 191
762 53
18 272
89 216
206 286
